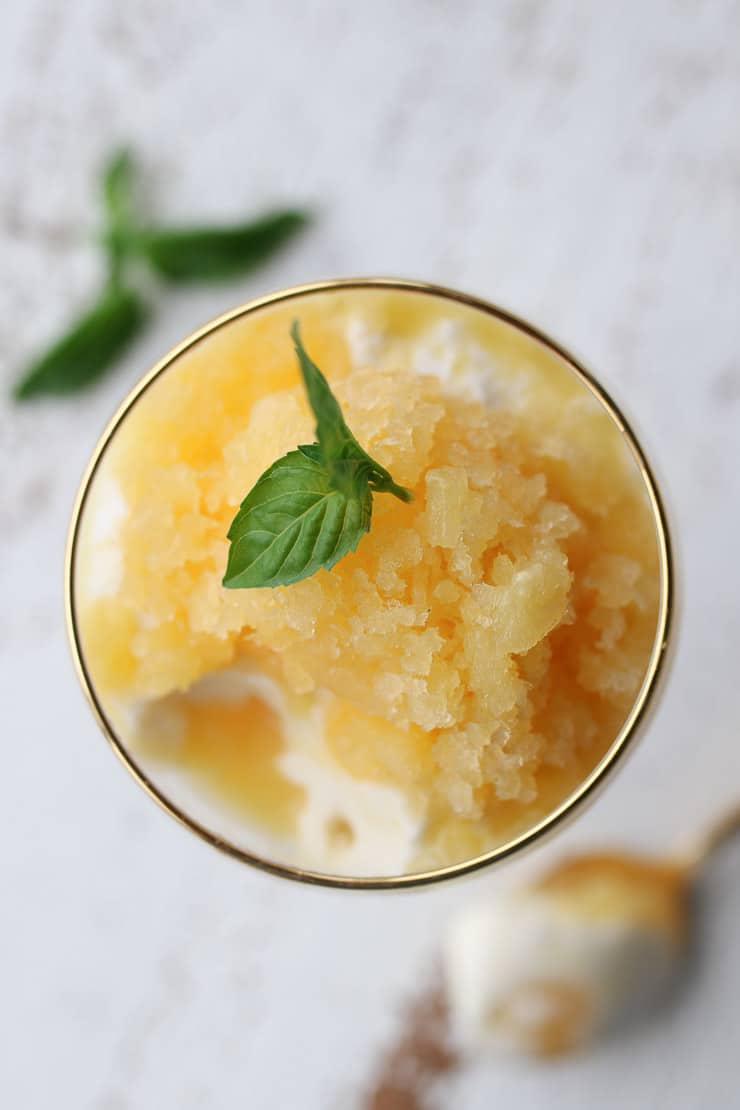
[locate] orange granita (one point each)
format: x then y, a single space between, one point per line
482 647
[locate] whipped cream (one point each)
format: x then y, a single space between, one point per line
346 825
444 351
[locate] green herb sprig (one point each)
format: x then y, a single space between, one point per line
312 506
91 345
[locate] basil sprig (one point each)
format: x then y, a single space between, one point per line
93 343
96 340
312 506
117 188
216 253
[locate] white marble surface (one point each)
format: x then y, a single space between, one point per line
578 162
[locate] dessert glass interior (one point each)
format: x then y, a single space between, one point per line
447 693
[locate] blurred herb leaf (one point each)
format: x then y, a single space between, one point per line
216 253
118 180
88 349
117 188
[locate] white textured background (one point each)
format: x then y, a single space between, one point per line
578 162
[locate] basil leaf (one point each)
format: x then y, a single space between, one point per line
117 187
336 441
293 522
312 506
382 482
118 178
312 451
88 349
331 430
213 253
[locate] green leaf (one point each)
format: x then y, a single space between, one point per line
88 349
312 451
214 253
336 441
293 522
312 506
331 429
117 187
118 179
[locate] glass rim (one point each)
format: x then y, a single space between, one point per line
623 742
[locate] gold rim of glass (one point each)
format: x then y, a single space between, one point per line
575 801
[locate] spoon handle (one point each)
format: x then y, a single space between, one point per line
724 829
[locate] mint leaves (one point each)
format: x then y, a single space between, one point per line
312 506
93 343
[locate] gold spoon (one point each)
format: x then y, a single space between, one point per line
588 946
